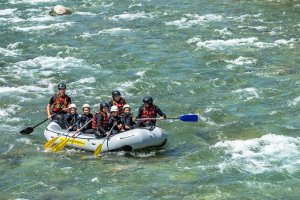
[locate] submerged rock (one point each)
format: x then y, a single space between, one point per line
60 10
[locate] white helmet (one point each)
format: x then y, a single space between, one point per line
126 106
86 106
114 109
72 106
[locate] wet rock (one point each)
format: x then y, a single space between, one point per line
60 10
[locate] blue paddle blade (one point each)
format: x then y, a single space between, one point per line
189 118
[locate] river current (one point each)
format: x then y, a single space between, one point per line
234 63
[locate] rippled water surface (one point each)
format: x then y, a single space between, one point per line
235 63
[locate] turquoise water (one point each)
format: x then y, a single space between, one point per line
234 63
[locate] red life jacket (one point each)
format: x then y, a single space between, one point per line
149 112
103 122
119 104
60 103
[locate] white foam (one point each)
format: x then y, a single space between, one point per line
46 73
85 13
7 52
96 179
267 153
135 5
29 1
140 74
223 31
10 110
50 63
87 80
244 17
242 61
248 93
276 43
7 11
21 89
42 18
13 20
221 44
59 26
258 28
176 83
24 140
253 41
190 20
14 45
273 113
11 146
131 16
3 80
112 31
101 191
107 5
294 102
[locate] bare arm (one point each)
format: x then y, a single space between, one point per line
48 111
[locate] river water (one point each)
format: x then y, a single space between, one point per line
235 63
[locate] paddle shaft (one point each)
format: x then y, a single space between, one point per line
29 130
185 118
44 121
73 136
98 149
156 118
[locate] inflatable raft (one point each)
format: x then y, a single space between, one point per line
129 140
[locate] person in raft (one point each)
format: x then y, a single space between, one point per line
86 118
60 103
148 110
71 118
118 101
114 121
127 118
100 120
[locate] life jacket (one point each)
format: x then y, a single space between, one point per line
119 104
103 122
60 103
149 112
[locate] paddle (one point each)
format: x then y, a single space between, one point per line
63 143
50 142
99 148
29 130
184 118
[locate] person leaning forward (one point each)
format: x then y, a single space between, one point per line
60 103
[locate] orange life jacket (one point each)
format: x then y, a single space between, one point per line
103 122
60 103
119 104
149 112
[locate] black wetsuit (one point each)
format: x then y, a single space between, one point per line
71 120
113 122
127 121
85 119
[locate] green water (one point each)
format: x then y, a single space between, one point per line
235 63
